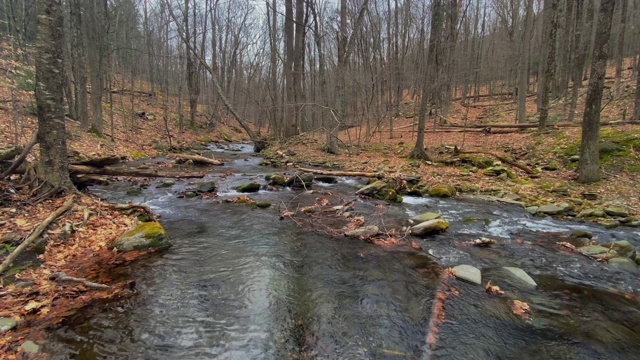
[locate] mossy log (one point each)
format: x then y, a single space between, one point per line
197 159
123 171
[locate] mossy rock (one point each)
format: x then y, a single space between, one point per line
206 187
263 205
393 197
476 161
138 155
134 192
623 248
425 217
276 180
166 184
430 227
249 188
144 236
442 191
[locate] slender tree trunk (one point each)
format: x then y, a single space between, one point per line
583 34
620 47
95 59
589 165
636 107
53 165
523 76
550 62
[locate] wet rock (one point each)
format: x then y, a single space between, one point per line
134 192
430 227
623 263
591 212
532 209
468 273
634 224
327 179
373 189
520 274
249 188
304 180
609 223
616 211
263 205
30 347
425 217
582 234
442 191
623 248
190 194
144 236
276 179
166 184
554 209
363 232
206 187
599 252
7 324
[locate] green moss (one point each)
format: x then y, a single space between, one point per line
442 191
477 161
16 270
149 230
138 155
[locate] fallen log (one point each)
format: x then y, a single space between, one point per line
100 161
197 159
502 158
62 277
10 153
16 164
343 173
88 180
124 207
122 171
36 234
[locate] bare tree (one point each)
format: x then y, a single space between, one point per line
589 164
551 20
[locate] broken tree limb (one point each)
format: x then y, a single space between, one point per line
502 158
62 277
343 173
21 158
124 207
121 171
197 159
36 234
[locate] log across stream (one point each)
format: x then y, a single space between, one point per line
241 284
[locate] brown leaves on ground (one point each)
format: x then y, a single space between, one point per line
493 289
521 309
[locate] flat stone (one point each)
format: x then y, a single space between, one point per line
552 209
616 211
591 213
425 217
599 252
582 234
532 210
430 227
521 274
363 232
30 347
468 273
7 324
623 263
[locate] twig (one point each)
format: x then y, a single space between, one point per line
36 233
60 276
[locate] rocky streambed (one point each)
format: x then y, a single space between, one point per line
261 268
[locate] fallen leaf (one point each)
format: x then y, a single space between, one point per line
521 309
493 289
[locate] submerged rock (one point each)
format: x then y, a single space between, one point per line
327 179
623 263
363 232
263 205
206 187
623 248
468 273
430 227
166 184
7 324
249 188
144 236
591 212
520 274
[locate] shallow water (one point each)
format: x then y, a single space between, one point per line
241 284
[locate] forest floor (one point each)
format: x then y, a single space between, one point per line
37 302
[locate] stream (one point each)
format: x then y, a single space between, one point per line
241 284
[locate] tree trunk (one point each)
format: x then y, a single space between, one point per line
549 72
636 107
523 76
79 62
589 165
95 55
620 47
53 165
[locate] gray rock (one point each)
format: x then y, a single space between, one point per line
592 212
532 210
249 188
276 180
553 209
468 273
581 234
7 324
373 189
206 187
144 236
425 217
30 347
623 263
304 180
430 227
623 248
363 232
521 274
166 184
599 252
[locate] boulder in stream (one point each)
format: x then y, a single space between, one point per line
442 191
304 180
598 252
144 236
276 179
327 179
166 184
520 274
468 273
581 234
425 217
623 248
623 263
380 190
430 227
249 188
206 187
363 232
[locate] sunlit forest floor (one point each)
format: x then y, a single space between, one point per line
36 302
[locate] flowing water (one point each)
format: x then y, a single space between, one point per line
241 284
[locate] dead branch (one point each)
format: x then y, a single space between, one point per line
110 171
62 277
197 159
343 173
100 161
36 233
20 158
123 207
